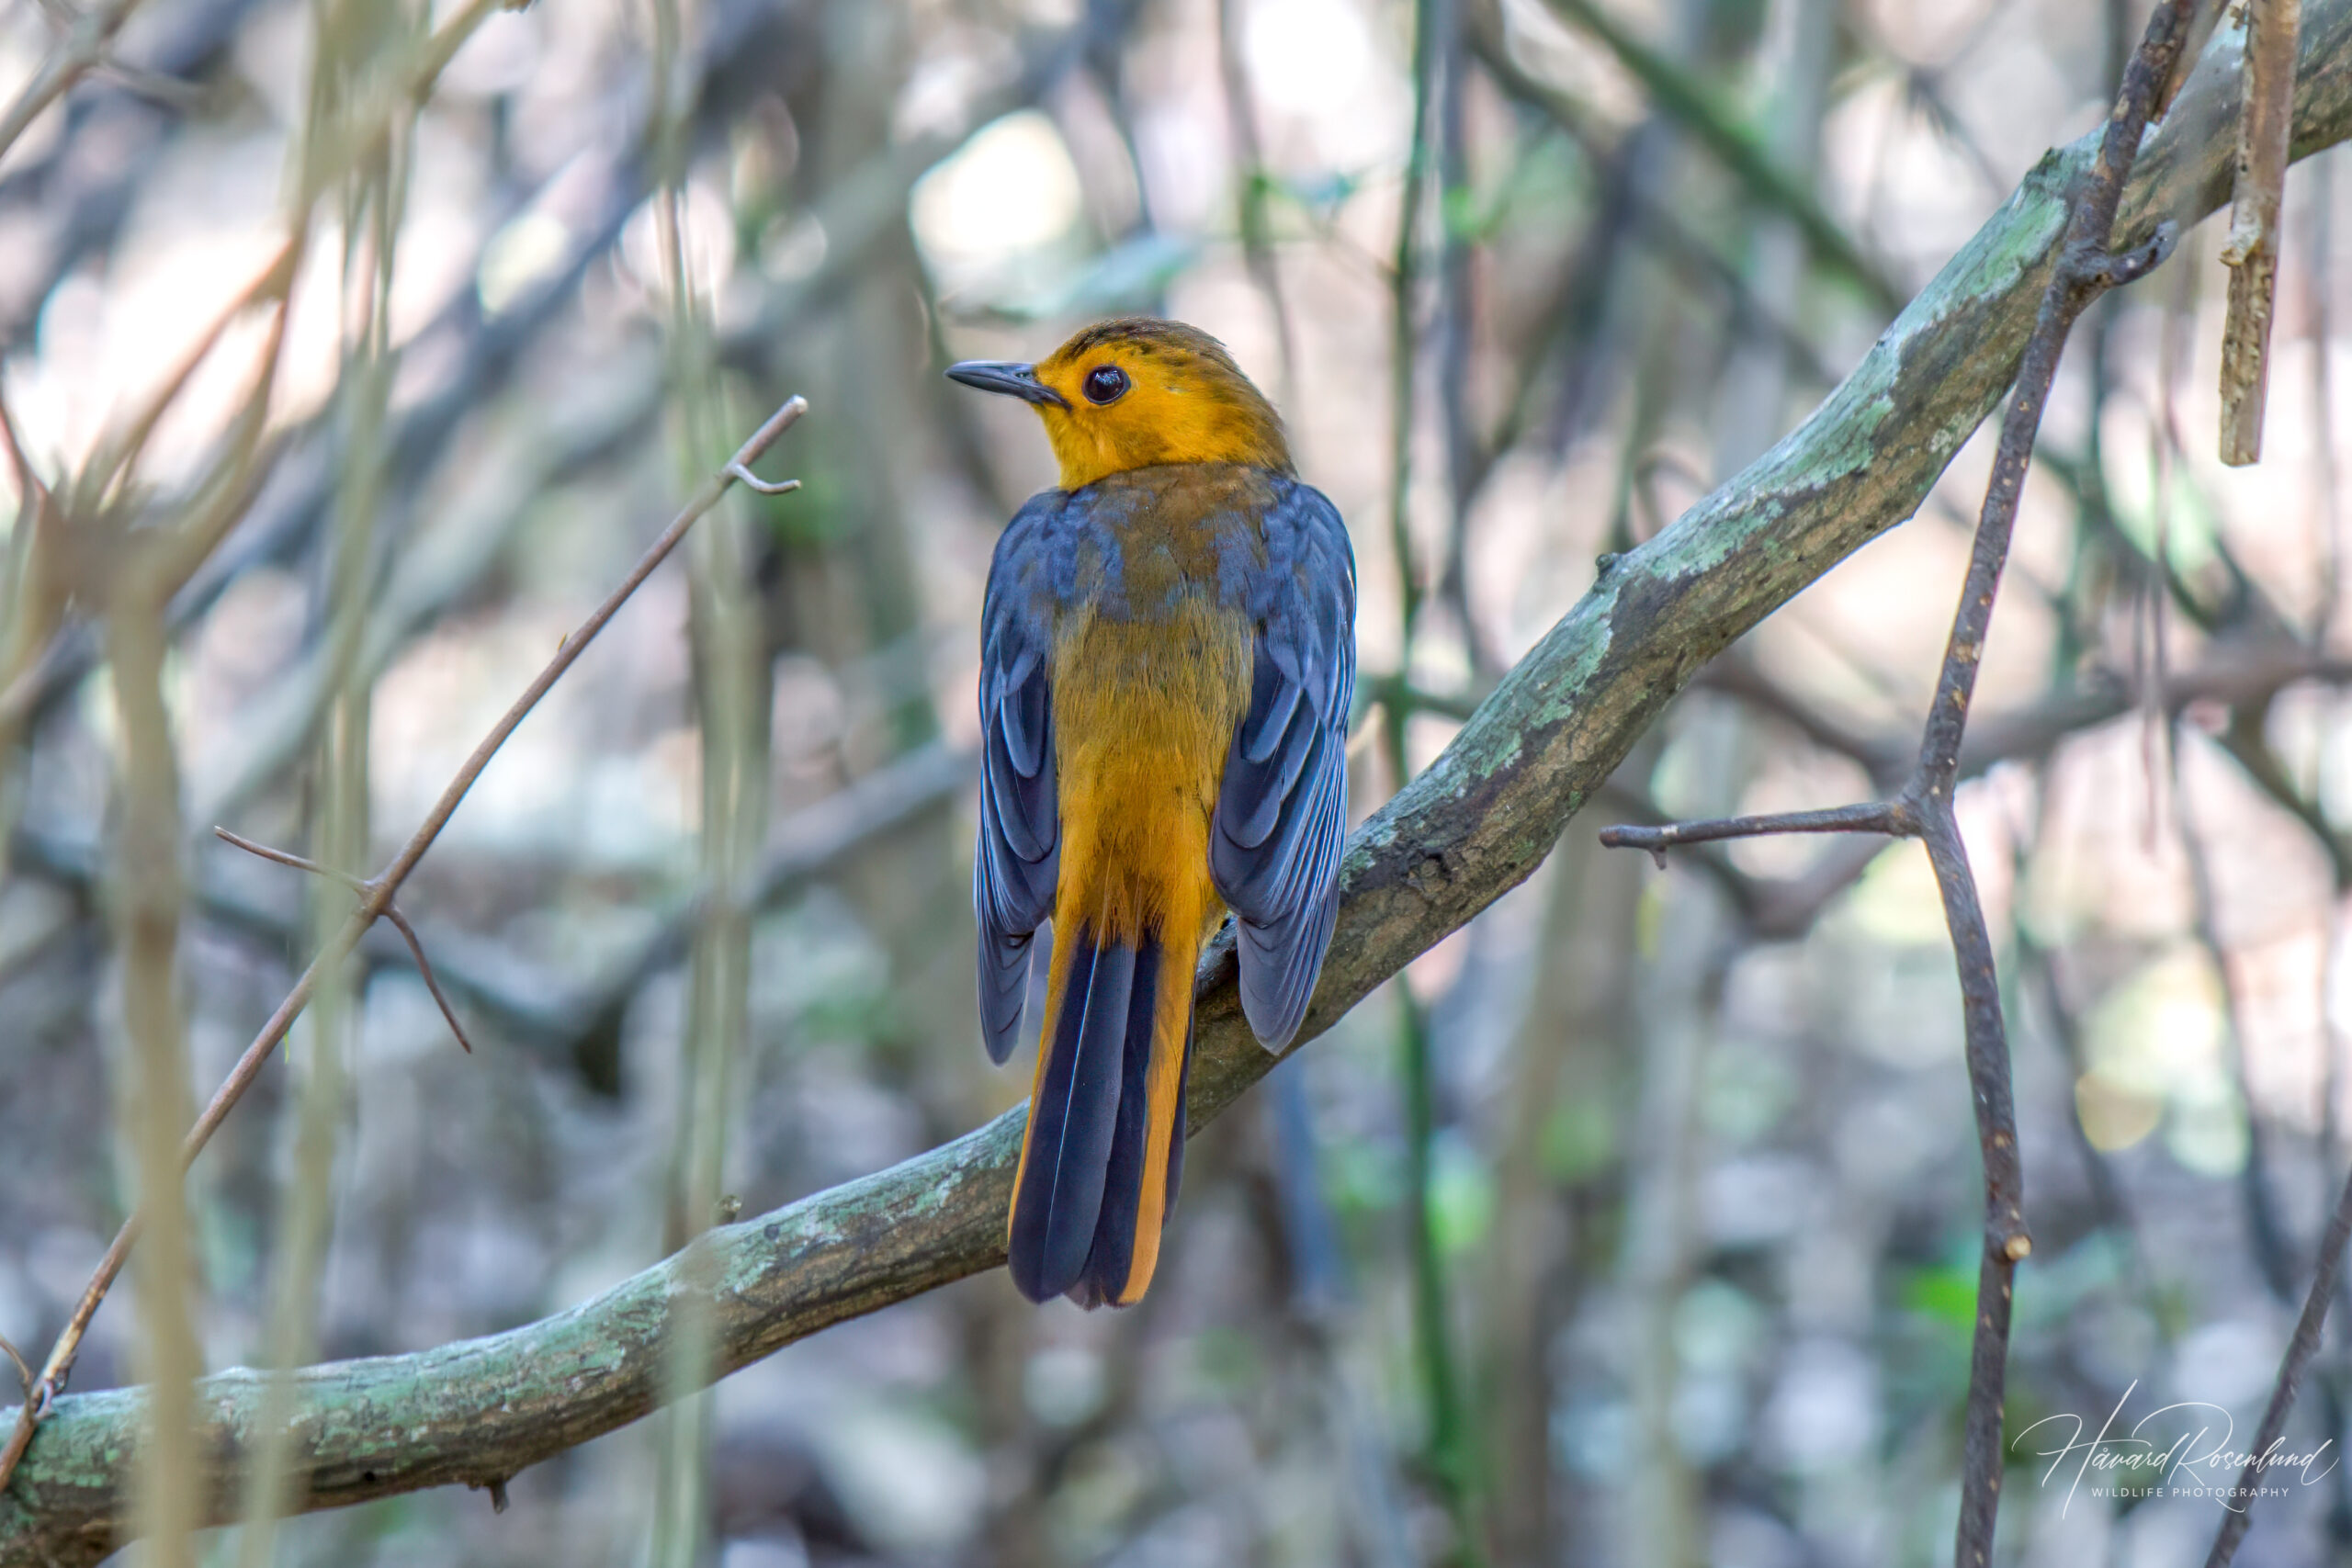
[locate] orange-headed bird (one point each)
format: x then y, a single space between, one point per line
1167 656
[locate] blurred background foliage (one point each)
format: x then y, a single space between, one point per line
1635 1224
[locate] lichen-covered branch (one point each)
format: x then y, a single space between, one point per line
1455 839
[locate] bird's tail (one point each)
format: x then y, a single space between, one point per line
1105 1145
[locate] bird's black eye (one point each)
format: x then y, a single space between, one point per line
1106 384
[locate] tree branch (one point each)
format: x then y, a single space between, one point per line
1452 841
376 899
2089 264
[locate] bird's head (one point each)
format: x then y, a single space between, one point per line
1138 391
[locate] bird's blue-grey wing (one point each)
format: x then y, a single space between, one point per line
1282 810
1020 838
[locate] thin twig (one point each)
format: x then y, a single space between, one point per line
377 898
751 481
2300 1350
23 1368
424 967
1924 806
296 862
2328 518
1872 816
1455 321
1403 323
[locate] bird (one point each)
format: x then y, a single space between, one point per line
1167 662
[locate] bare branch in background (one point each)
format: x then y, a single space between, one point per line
380 890
1693 107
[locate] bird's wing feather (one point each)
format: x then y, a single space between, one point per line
1020 838
1282 804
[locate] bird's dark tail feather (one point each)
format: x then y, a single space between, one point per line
1104 1149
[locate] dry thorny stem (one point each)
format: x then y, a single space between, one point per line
376 895
1923 807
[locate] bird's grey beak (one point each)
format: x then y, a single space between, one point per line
1004 376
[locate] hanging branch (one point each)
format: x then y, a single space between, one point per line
2265 115
1923 808
374 902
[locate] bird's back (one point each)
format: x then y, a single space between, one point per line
1151 674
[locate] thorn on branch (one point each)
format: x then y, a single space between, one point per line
741 473
424 967
390 912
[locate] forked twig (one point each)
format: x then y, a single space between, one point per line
392 913
1923 808
375 903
